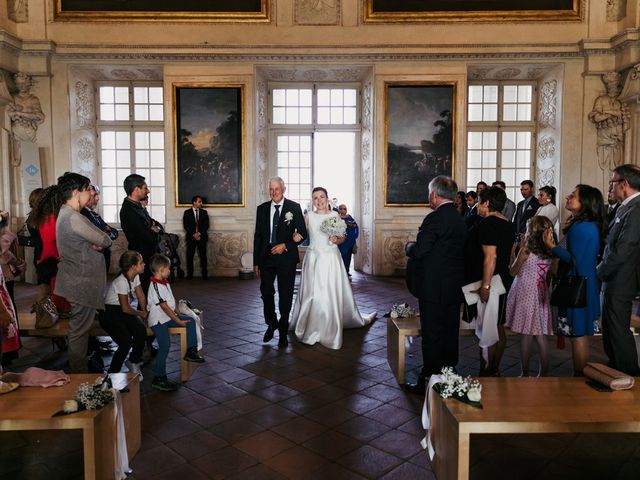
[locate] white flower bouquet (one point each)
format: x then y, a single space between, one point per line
333 226
89 397
401 310
461 388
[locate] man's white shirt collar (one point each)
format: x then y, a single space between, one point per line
629 198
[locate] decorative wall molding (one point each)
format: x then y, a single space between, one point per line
546 147
520 71
616 10
316 12
547 117
85 105
18 10
227 248
365 252
393 253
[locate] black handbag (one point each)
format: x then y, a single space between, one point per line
570 291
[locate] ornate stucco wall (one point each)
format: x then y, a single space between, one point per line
566 59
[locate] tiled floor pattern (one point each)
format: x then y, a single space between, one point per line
256 412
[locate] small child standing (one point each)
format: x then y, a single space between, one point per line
126 312
528 311
163 314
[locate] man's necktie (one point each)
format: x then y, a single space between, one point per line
197 219
276 217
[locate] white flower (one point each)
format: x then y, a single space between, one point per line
474 395
288 217
70 406
394 314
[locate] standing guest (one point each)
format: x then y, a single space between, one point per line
528 308
582 239
472 218
461 203
81 273
34 232
487 252
43 216
275 256
620 271
348 246
527 208
438 254
471 198
137 225
125 313
196 224
547 201
95 218
509 207
480 186
612 206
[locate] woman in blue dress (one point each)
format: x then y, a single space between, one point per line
582 240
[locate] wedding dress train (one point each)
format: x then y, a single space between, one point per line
325 303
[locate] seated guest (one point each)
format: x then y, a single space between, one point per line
126 312
163 314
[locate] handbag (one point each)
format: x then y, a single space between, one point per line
570 291
46 313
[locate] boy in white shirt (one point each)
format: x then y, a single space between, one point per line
163 314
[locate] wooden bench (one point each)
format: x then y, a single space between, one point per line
61 329
526 406
31 408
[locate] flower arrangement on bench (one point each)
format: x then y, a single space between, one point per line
89 397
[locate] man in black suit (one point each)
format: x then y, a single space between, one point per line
275 256
438 257
620 271
137 225
527 208
195 221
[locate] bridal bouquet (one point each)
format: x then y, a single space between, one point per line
466 390
89 397
333 226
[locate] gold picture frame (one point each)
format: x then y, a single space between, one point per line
412 11
209 144
246 11
419 139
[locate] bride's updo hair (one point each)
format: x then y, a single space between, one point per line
320 189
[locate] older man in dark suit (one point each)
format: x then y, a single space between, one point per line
275 256
620 270
438 257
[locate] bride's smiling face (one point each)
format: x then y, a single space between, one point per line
320 201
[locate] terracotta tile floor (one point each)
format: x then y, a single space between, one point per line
256 412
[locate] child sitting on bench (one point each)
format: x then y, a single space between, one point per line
163 314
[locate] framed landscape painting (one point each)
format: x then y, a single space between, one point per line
383 11
209 144
419 139
171 10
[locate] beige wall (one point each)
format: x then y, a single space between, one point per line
573 54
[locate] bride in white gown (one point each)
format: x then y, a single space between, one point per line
324 304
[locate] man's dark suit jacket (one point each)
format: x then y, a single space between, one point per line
522 216
620 266
438 256
284 232
189 224
136 225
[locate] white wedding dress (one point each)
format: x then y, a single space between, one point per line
325 303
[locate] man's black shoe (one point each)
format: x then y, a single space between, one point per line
283 342
417 388
268 335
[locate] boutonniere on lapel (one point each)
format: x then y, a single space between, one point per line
288 217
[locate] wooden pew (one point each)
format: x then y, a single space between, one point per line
61 329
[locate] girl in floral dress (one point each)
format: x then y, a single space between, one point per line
528 310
